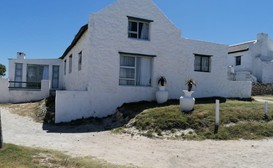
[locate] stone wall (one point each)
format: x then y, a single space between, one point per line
262 89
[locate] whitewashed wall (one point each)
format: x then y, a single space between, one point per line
107 36
71 105
77 80
22 95
4 91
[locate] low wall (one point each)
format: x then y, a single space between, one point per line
22 95
71 105
238 89
262 89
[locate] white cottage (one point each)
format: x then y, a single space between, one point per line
253 60
30 79
123 50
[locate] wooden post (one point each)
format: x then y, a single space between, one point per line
266 110
1 135
217 116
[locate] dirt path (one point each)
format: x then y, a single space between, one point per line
139 151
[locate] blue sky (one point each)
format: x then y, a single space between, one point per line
45 28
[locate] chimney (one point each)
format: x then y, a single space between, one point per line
21 55
262 37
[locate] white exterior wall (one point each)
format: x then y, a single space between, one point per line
78 80
246 61
79 105
108 35
25 62
18 95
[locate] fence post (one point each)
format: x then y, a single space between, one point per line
266 110
217 116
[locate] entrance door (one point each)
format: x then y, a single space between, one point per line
55 76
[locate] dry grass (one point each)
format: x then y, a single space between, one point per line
24 157
35 110
238 119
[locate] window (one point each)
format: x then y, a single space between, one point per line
55 76
64 67
36 73
202 63
138 28
80 61
18 74
135 70
70 64
238 60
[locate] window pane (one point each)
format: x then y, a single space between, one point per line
197 63
238 60
127 73
205 64
144 71
132 26
132 35
70 64
135 71
144 31
127 61
126 82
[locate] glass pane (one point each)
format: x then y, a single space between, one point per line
205 64
144 31
126 82
132 26
132 35
144 70
127 61
127 73
197 63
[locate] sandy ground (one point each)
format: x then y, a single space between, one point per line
137 150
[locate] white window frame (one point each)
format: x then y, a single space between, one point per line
201 62
129 67
138 21
135 56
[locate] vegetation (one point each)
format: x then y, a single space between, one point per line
190 83
24 157
238 119
35 110
162 81
2 70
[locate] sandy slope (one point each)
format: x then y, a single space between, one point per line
139 151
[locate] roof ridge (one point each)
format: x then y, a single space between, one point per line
252 41
75 40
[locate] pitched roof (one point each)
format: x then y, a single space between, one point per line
240 47
75 40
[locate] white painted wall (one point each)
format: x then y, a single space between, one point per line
77 80
25 62
22 95
107 36
71 105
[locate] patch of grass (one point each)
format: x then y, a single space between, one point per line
24 157
238 119
118 130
